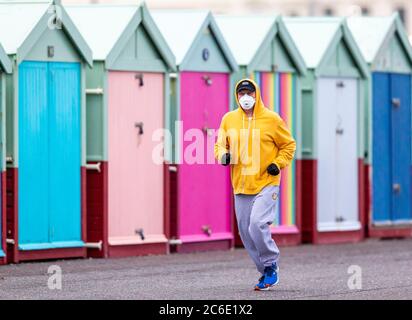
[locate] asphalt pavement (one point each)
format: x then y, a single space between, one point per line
374 269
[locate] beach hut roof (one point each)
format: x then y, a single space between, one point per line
107 28
371 34
183 28
313 36
259 30
316 37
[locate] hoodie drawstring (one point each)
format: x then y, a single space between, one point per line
245 153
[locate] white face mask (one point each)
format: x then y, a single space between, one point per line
247 102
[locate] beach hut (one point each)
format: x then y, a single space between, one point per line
127 95
200 194
5 67
384 44
273 61
45 113
332 130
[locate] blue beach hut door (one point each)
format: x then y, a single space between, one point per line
391 143
49 155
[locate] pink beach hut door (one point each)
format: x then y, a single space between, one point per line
135 180
203 187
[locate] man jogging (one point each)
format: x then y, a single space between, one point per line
257 144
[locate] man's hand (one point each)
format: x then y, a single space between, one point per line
273 170
226 159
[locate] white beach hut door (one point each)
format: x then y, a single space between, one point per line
337 173
326 147
347 207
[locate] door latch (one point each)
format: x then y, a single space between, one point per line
140 232
139 76
339 131
139 125
396 102
396 187
340 219
208 80
340 84
206 229
208 131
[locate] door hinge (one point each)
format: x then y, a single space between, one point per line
94 166
94 245
95 91
175 242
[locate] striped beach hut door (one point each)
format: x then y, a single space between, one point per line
49 155
278 92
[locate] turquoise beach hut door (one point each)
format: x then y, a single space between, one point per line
49 155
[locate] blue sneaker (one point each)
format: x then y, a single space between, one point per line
269 279
261 280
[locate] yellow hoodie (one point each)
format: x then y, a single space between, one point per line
267 140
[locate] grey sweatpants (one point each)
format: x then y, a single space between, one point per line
255 214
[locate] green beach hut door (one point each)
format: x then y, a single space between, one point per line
337 171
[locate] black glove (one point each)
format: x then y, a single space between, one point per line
226 159
273 170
